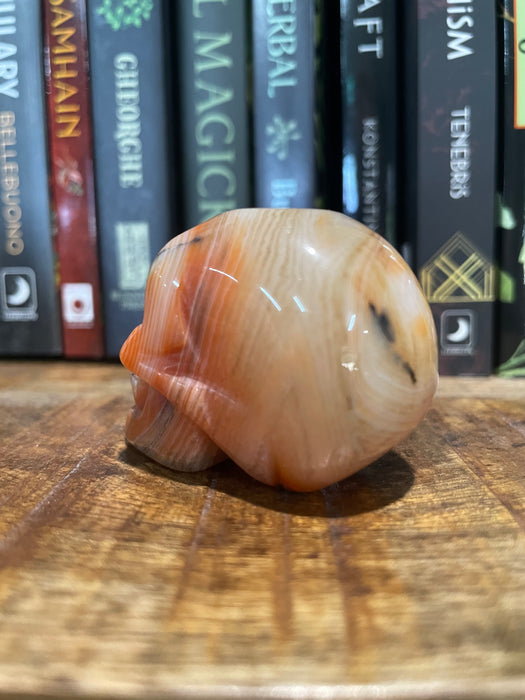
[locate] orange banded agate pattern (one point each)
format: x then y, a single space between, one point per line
295 342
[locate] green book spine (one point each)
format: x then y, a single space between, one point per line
133 161
212 67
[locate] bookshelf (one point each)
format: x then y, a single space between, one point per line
122 579
146 118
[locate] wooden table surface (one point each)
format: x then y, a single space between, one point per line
120 579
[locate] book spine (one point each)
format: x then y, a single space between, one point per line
212 72
511 190
283 35
72 184
450 69
132 155
369 98
328 138
29 312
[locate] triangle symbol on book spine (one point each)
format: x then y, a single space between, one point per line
458 272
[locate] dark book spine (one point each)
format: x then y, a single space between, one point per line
450 122
369 97
511 189
211 39
284 103
328 111
29 312
72 184
132 155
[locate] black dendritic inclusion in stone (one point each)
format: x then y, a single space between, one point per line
408 369
192 241
385 326
383 322
165 249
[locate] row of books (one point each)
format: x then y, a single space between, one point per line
124 122
464 196
85 174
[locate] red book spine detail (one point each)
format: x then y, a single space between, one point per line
71 167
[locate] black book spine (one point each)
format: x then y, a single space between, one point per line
29 310
212 67
132 155
450 122
511 190
369 97
284 102
328 108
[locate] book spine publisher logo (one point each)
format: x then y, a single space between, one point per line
78 308
457 332
458 274
18 297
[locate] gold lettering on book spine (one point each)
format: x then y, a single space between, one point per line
64 67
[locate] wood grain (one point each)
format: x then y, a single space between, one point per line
120 579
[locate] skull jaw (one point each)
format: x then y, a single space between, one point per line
159 430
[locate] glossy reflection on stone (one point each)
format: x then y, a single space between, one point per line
294 341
